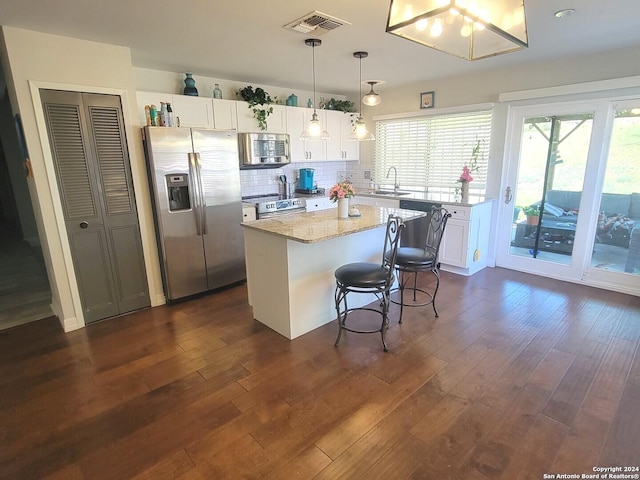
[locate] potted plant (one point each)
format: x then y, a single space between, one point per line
254 98
533 214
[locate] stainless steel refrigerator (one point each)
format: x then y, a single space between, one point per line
195 182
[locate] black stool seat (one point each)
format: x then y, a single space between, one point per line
369 278
415 257
362 275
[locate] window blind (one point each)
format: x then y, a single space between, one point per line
429 152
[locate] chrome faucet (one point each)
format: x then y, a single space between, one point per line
395 178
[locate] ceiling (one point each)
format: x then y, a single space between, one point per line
245 40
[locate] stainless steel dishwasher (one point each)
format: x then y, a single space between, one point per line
415 231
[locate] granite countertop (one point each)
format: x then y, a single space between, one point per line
312 227
444 199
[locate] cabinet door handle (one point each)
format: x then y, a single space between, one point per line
177 121
84 224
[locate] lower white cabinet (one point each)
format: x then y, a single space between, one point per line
248 213
465 243
319 203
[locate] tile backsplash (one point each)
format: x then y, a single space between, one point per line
265 182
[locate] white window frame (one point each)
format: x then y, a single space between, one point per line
424 163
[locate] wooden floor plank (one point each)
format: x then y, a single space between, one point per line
517 377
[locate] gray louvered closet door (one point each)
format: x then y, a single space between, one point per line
88 144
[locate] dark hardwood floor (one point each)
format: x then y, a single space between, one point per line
518 377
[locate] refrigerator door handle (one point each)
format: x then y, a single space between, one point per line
195 188
203 203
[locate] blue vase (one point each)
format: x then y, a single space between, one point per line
190 86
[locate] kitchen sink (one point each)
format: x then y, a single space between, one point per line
390 192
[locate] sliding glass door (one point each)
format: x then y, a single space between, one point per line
616 246
574 165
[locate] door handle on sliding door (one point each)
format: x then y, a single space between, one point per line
508 195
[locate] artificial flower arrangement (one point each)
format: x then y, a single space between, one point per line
341 190
466 175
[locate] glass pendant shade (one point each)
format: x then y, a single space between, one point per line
372 98
313 130
470 29
360 132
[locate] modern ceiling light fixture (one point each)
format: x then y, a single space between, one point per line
470 29
360 132
372 98
314 130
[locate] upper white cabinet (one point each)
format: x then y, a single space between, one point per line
276 121
187 111
303 150
339 126
225 114
192 111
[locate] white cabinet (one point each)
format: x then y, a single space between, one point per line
303 150
225 114
339 147
192 111
187 111
248 213
376 201
465 243
276 121
319 203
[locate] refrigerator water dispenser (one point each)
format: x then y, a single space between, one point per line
178 191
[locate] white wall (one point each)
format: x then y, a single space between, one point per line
33 60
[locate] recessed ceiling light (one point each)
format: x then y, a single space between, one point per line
565 13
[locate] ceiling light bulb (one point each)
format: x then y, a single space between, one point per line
466 30
422 24
436 29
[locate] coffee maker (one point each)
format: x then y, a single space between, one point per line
305 180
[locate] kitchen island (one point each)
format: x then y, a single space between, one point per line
291 261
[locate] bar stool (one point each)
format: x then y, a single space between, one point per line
369 278
411 261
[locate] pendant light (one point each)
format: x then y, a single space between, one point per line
372 98
314 130
468 29
360 132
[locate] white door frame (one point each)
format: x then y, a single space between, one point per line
585 230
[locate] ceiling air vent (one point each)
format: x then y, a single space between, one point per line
317 22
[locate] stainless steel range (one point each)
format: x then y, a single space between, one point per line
273 205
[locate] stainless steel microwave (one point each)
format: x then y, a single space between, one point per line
263 150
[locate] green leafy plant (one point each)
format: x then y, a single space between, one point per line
531 210
346 106
254 98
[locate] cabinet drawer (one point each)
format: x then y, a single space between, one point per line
459 213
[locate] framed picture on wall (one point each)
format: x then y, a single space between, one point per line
427 99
